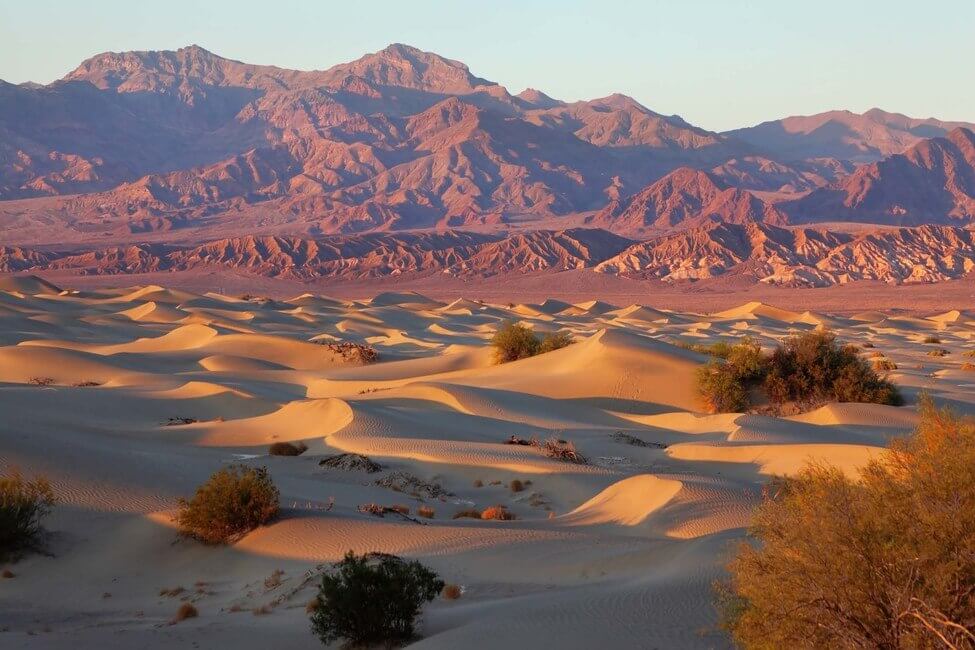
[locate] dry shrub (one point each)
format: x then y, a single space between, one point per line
931 338
499 513
23 504
287 449
234 501
938 352
886 560
451 592
262 610
185 611
884 364
468 513
516 485
563 450
171 593
969 354
397 507
426 512
968 366
273 580
41 381
311 606
353 352
478 483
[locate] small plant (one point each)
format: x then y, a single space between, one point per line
400 508
452 592
41 381
352 352
171 592
372 599
273 580
426 512
185 611
968 366
234 501
287 449
563 450
969 354
499 513
884 364
516 485
938 352
478 483
467 514
23 504
931 338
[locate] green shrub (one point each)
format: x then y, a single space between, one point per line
812 367
234 501
886 560
23 503
514 341
720 388
372 599
555 341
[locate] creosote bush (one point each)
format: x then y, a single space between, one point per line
806 369
513 341
287 449
884 560
234 501
23 504
372 599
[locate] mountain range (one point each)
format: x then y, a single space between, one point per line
160 160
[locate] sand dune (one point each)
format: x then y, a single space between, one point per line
129 398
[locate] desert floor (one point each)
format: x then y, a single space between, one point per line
617 553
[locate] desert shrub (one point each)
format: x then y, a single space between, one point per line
884 364
812 367
372 599
968 366
452 592
497 512
426 512
468 513
720 389
287 449
969 354
185 611
23 504
931 338
516 486
478 483
938 352
234 501
514 341
562 450
885 560
554 341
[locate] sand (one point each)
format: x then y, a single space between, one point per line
619 552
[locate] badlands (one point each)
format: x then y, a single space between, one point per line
127 399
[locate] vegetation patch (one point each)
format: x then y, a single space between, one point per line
23 504
412 485
351 352
513 341
351 463
372 599
234 501
806 370
886 560
287 449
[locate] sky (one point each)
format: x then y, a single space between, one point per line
718 64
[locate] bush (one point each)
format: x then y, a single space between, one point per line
287 449
720 388
886 560
426 512
969 366
514 341
516 486
938 352
931 338
497 512
372 599
23 503
812 367
555 341
452 592
185 611
234 501
884 364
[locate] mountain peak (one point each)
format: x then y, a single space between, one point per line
538 99
410 67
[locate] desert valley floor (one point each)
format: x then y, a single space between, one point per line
620 552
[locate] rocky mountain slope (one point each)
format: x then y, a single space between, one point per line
931 182
764 252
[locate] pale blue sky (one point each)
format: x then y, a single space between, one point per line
719 64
